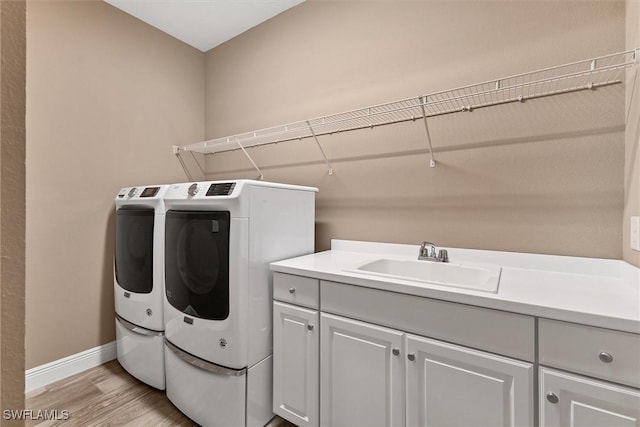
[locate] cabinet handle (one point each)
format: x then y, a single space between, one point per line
605 357
310 327
396 351
552 397
411 356
292 290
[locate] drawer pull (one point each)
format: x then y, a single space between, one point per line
552 397
310 327
396 351
411 356
605 357
292 290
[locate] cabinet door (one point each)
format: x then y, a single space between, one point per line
296 364
574 401
449 385
362 375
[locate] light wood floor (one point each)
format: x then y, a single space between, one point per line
108 396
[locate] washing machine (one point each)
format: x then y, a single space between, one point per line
219 240
138 284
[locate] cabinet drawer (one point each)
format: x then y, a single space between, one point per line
296 290
600 353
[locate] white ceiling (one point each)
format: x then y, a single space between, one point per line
204 24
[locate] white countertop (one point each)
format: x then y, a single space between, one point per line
597 292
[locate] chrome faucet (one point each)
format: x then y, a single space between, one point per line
428 253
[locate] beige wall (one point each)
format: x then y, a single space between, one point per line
107 97
632 134
545 176
12 204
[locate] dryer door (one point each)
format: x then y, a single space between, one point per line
197 262
134 249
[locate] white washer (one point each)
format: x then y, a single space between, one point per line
220 238
138 284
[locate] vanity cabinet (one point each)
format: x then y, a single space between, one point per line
347 355
362 374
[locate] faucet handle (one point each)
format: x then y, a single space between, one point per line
443 255
432 251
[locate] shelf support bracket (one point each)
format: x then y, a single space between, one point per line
177 151
315 138
250 159
191 165
423 102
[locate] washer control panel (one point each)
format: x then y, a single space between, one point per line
221 189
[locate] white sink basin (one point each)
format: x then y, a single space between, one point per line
477 277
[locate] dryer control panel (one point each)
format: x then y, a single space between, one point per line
221 189
150 192
135 192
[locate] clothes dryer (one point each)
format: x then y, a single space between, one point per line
138 284
219 240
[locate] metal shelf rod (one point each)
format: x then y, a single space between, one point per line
531 85
408 119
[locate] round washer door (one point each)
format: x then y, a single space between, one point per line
134 249
197 262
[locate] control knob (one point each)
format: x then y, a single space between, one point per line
133 192
193 189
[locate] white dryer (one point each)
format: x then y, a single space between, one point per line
138 284
220 238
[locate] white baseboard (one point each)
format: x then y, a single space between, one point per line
62 368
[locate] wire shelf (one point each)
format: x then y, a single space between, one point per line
572 77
